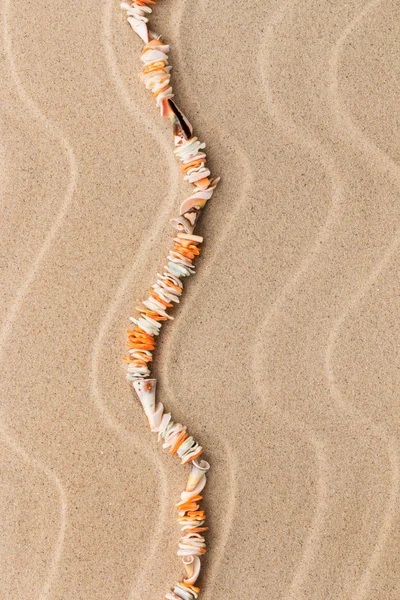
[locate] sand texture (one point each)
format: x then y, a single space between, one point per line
283 358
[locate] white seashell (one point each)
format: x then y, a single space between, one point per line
193 537
153 304
153 56
149 79
179 270
156 416
166 418
173 434
193 547
182 224
172 278
172 596
140 28
192 567
196 175
140 372
146 391
152 322
161 47
196 157
199 468
168 288
188 236
189 149
138 353
185 446
187 495
196 168
199 198
148 325
194 200
196 548
183 593
192 452
165 294
191 524
148 328
177 257
194 594
189 552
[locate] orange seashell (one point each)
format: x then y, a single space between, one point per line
203 183
190 586
178 442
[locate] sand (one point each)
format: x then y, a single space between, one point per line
283 358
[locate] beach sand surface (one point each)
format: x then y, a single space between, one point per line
283 358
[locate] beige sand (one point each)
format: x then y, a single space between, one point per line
284 355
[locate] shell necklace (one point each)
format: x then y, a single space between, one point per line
167 291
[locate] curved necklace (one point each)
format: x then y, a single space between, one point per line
167 291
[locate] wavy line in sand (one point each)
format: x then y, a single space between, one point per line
125 283
53 130
45 591
350 130
364 584
213 569
317 150
13 311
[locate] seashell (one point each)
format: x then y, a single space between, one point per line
192 201
189 149
152 56
157 44
172 596
177 257
199 198
185 446
192 215
165 419
165 95
197 239
179 270
198 156
140 28
182 224
194 538
183 592
152 304
192 525
164 107
171 278
194 452
146 391
162 282
165 293
174 434
180 125
197 175
187 495
199 468
156 416
146 326
192 567
190 551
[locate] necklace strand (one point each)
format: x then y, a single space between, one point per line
165 293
